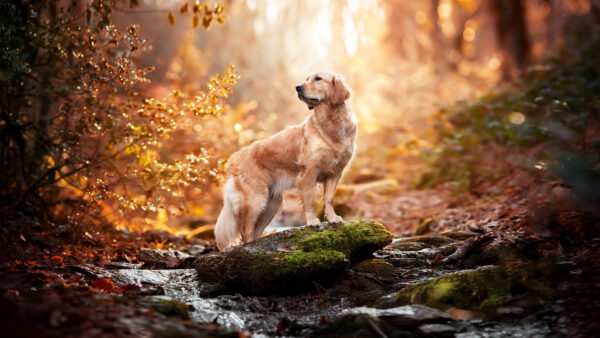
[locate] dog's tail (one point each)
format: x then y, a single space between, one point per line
226 232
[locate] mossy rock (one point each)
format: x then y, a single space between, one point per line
291 261
378 269
486 289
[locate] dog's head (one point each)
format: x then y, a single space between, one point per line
323 88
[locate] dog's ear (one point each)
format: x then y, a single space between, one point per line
339 90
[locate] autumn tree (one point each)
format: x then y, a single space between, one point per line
75 129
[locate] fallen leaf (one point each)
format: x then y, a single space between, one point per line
104 284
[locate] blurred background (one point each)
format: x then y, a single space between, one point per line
405 61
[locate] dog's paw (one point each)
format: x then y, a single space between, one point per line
314 221
335 219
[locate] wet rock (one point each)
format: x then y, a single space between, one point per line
407 246
161 259
459 235
166 305
122 265
292 260
405 315
376 267
404 321
427 240
178 283
410 254
437 330
197 250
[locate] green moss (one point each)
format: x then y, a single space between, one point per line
348 238
484 289
306 255
284 265
317 251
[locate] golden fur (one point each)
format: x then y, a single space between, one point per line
316 150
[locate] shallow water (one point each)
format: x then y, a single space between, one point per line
261 315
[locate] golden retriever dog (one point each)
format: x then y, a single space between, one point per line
317 150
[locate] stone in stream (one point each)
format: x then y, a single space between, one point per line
293 260
488 290
161 259
166 305
403 321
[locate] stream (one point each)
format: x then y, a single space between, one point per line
337 309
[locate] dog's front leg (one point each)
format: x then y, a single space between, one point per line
305 184
328 193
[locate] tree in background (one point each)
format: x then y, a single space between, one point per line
511 33
77 135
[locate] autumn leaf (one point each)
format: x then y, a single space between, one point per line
171 18
130 288
196 21
57 258
206 20
104 284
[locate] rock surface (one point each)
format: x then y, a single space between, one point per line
290 261
490 289
403 321
161 259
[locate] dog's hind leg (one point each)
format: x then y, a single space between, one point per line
255 203
226 229
267 215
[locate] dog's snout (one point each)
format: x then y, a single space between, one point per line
299 88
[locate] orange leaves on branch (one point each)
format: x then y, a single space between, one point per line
211 14
155 181
197 8
183 8
217 13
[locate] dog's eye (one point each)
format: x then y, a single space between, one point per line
318 78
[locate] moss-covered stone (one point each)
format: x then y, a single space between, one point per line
291 260
484 289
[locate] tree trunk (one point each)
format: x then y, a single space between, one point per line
511 33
